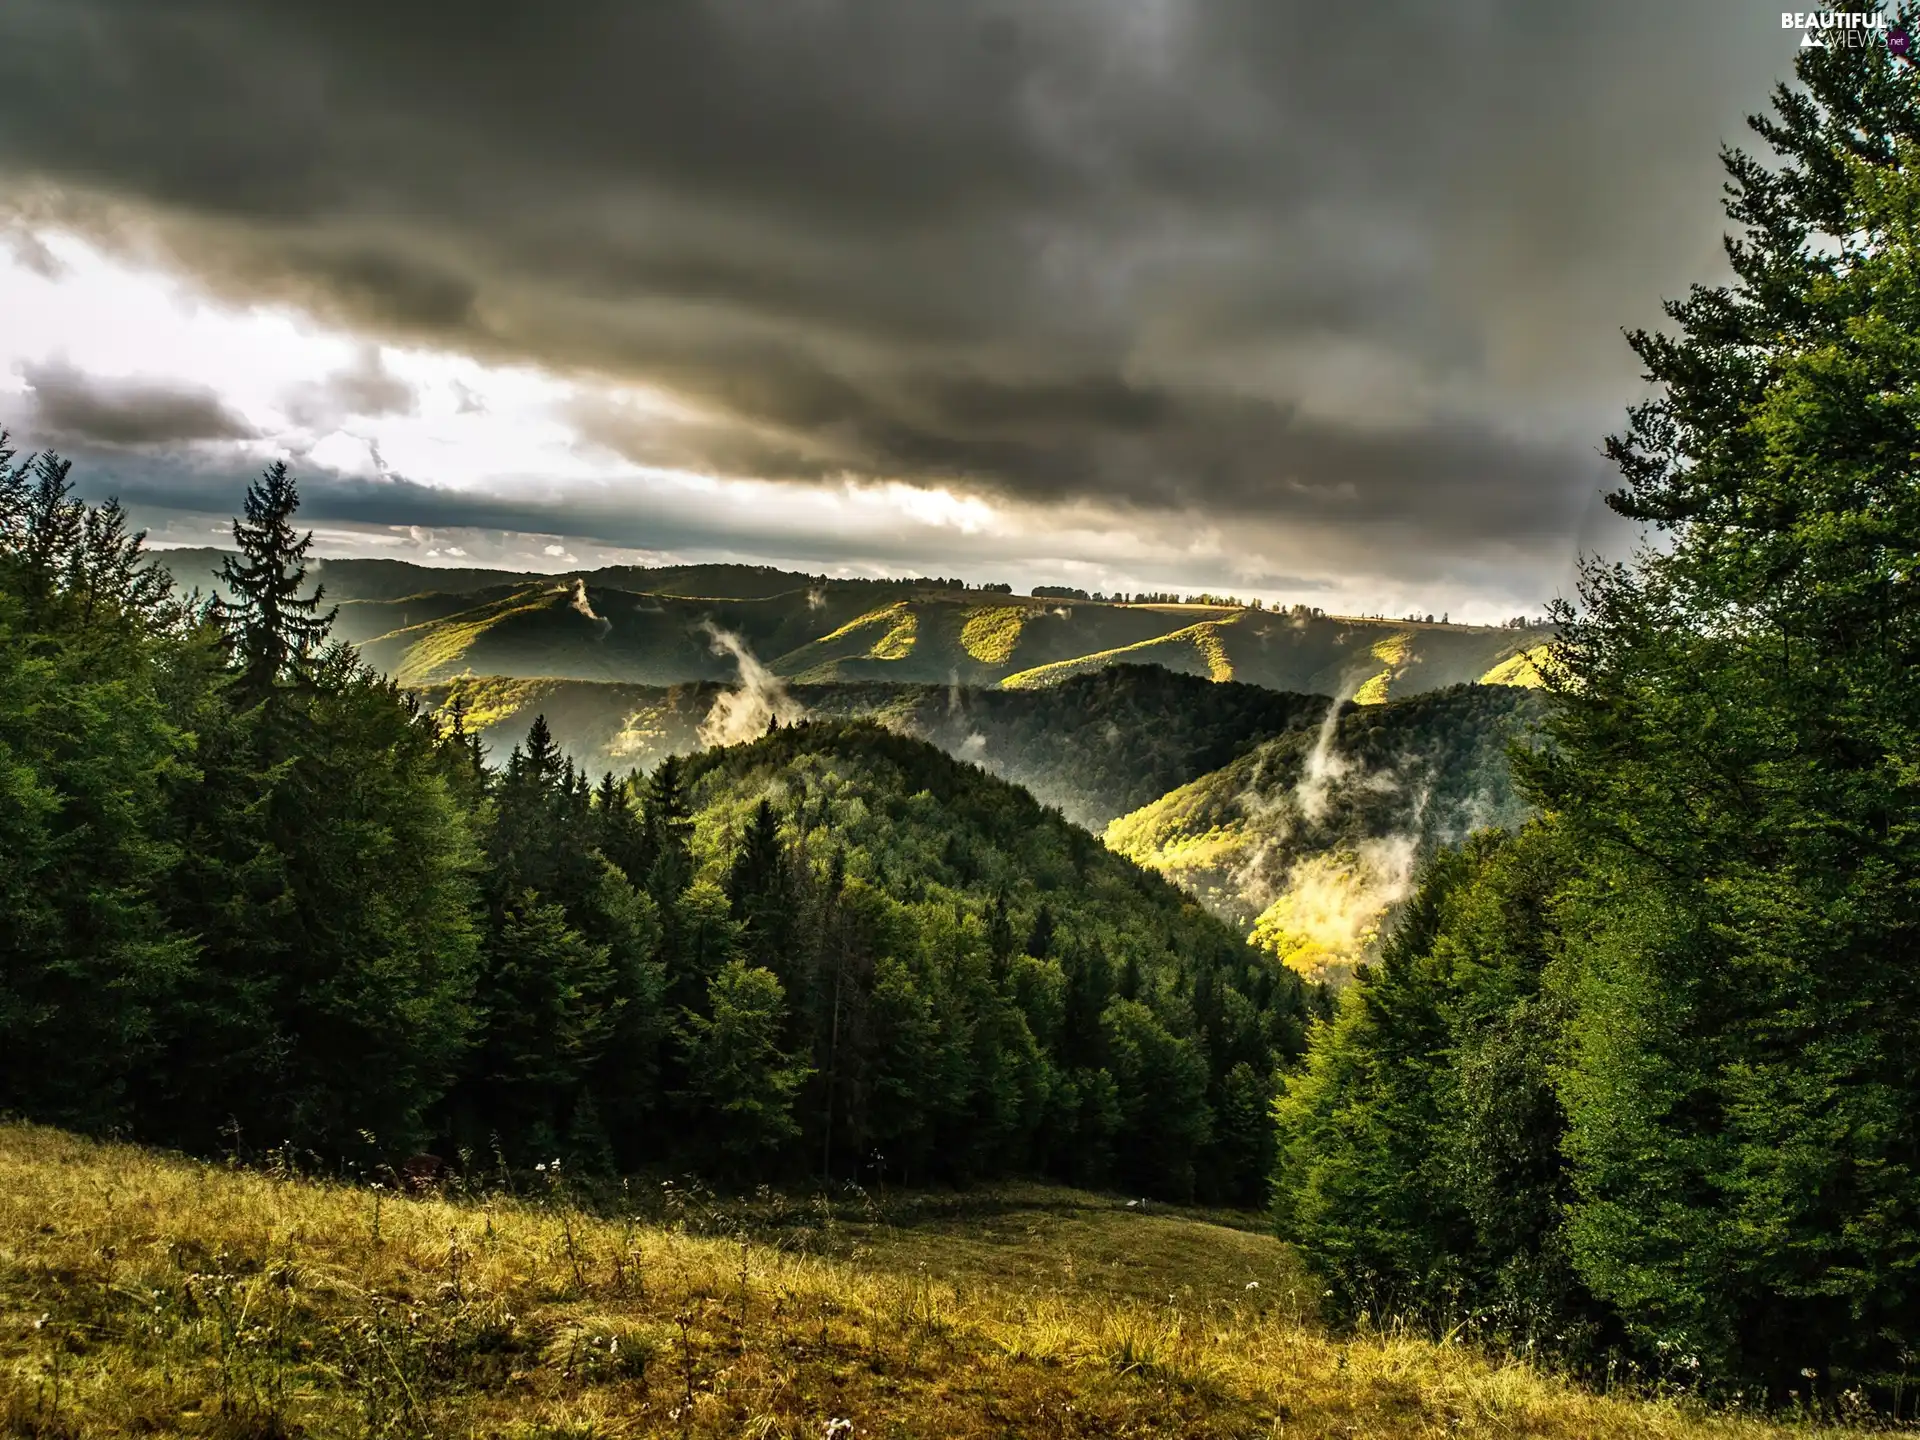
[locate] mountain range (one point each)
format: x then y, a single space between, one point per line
680 624
1287 767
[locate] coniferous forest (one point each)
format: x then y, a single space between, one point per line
1640 1079
262 899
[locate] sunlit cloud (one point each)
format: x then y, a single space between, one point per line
376 428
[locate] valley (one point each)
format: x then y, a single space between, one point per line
1203 740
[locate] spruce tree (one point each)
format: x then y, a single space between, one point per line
276 631
95 667
740 1084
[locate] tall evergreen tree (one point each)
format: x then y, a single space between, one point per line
327 871
739 1081
276 631
1739 712
90 651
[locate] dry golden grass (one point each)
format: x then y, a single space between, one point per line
147 1295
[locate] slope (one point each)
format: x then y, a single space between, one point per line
1310 839
843 632
920 825
1369 660
148 1294
978 986
429 623
572 630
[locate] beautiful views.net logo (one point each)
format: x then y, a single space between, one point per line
1845 30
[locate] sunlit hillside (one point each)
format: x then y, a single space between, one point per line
142 1294
580 631
1309 840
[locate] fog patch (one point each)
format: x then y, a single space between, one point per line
1332 905
749 710
580 603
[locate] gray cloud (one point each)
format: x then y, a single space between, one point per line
1298 262
364 388
69 407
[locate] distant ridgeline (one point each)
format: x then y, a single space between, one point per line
655 627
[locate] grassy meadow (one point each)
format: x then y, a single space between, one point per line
143 1294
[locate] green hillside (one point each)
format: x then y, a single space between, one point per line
1095 746
1301 835
157 1295
1310 839
836 634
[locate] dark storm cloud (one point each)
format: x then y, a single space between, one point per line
69 407
173 492
1240 257
1142 449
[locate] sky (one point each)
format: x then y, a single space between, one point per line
1320 303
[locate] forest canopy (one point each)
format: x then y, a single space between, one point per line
267 900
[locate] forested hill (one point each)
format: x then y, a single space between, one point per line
261 898
1095 746
1004 989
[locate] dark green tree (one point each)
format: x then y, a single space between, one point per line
740 1083
275 630
1739 712
89 744
551 1005
327 870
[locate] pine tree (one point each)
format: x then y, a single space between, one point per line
276 631
1040 937
669 831
93 656
618 830
760 887
551 1009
